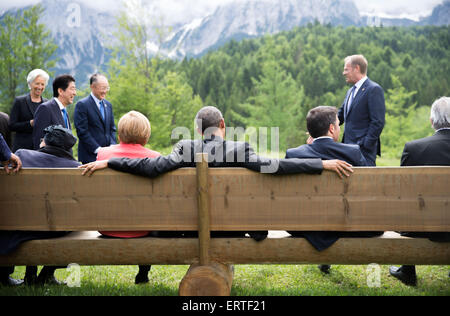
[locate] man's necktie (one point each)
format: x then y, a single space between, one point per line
102 110
350 100
66 118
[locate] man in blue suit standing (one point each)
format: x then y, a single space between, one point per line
323 127
94 121
363 110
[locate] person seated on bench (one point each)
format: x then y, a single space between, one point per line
134 131
55 152
429 151
323 127
221 153
7 158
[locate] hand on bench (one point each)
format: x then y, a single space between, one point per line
338 166
90 168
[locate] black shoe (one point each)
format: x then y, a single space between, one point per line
30 279
324 268
142 276
406 274
10 282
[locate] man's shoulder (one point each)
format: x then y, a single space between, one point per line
426 140
37 159
370 84
84 100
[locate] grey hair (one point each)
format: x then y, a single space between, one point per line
37 73
440 113
208 117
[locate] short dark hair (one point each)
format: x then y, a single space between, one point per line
208 117
319 119
61 82
94 78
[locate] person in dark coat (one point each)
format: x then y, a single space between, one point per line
55 152
7 158
4 128
323 127
429 151
22 112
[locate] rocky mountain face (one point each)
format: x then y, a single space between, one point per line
84 35
254 18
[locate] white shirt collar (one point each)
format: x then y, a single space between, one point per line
97 101
361 82
322 137
61 106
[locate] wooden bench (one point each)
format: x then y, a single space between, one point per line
203 199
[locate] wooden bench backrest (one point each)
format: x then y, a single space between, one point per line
372 199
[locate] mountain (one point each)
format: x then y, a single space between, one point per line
439 16
253 18
84 34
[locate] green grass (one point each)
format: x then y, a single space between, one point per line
249 280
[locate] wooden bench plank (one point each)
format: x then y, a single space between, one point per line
88 248
373 199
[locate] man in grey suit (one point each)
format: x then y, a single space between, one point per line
429 151
363 110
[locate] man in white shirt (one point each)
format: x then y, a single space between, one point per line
363 110
54 111
94 120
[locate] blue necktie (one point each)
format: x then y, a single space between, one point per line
350 101
102 110
66 118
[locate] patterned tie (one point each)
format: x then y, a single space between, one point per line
66 118
102 109
349 101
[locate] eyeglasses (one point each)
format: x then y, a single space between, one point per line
103 89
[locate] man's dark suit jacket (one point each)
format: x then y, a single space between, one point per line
10 240
92 130
429 151
4 128
327 149
365 120
221 154
22 113
47 114
5 152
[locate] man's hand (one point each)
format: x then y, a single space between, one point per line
90 168
340 167
15 162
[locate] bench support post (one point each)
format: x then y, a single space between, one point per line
206 278
214 279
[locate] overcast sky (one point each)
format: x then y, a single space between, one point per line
198 8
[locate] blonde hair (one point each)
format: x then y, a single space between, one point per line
134 128
359 60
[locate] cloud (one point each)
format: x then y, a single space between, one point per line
183 11
397 8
